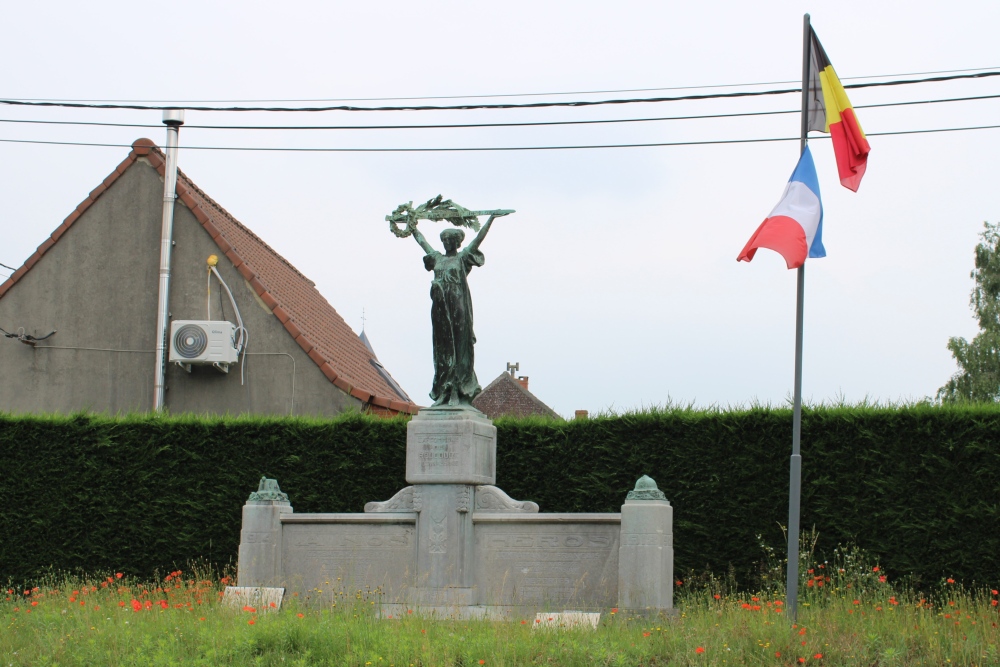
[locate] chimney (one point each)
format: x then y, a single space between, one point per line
523 381
581 414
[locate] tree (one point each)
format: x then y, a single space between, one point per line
978 378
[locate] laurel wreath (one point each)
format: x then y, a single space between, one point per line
403 220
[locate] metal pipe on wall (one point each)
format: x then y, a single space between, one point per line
173 119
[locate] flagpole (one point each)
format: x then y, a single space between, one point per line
795 465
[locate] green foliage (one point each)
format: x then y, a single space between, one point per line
916 486
978 378
852 620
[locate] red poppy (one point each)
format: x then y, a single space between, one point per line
251 622
249 608
882 578
993 602
994 591
818 656
300 615
950 581
777 654
118 575
716 596
875 569
700 649
857 602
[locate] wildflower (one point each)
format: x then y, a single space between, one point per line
802 631
875 569
272 605
300 615
524 622
778 603
249 609
755 599
34 603
777 654
118 575
950 581
802 660
994 591
882 578
136 605
202 618
251 622
121 603
700 649
482 662
818 656
716 596
679 582
993 602
646 634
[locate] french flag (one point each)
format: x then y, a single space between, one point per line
794 229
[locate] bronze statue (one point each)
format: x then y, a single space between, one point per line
455 382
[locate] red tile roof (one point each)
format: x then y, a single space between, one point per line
508 396
314 324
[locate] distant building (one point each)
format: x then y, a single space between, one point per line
509 396
95 282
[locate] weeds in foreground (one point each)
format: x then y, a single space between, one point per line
848 617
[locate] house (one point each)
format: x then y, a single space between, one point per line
95 282
509 396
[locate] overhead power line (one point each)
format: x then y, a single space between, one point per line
292 149
8 267
438 126
493 95
469 107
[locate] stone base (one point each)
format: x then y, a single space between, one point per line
451 446
451 596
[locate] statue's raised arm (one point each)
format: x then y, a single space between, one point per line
455 382
474 244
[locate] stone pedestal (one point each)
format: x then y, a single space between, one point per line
646 551
260 536
448 452
451 446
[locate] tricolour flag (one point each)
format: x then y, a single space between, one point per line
795 227
829 110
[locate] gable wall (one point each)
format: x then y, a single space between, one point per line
98 287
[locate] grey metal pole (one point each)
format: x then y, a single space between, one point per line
795 465
173 119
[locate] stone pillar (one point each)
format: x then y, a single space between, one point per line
646 551
449 451
260 537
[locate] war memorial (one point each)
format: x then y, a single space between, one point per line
452 543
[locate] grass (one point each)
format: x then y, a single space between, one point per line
847 617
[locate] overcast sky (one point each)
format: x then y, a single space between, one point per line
615 284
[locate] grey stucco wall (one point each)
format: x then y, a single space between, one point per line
98 287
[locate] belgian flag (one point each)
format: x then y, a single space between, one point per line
830 111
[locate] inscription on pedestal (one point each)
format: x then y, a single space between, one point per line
548 564
446 448
351 557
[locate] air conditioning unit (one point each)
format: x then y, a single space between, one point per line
203 343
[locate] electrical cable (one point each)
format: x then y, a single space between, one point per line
468 107
480 125
279 149
495 95
7 267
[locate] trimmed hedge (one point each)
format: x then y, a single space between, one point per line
918 486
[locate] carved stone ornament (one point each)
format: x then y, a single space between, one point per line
645 489
464 499
268 490
491 499
401 502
